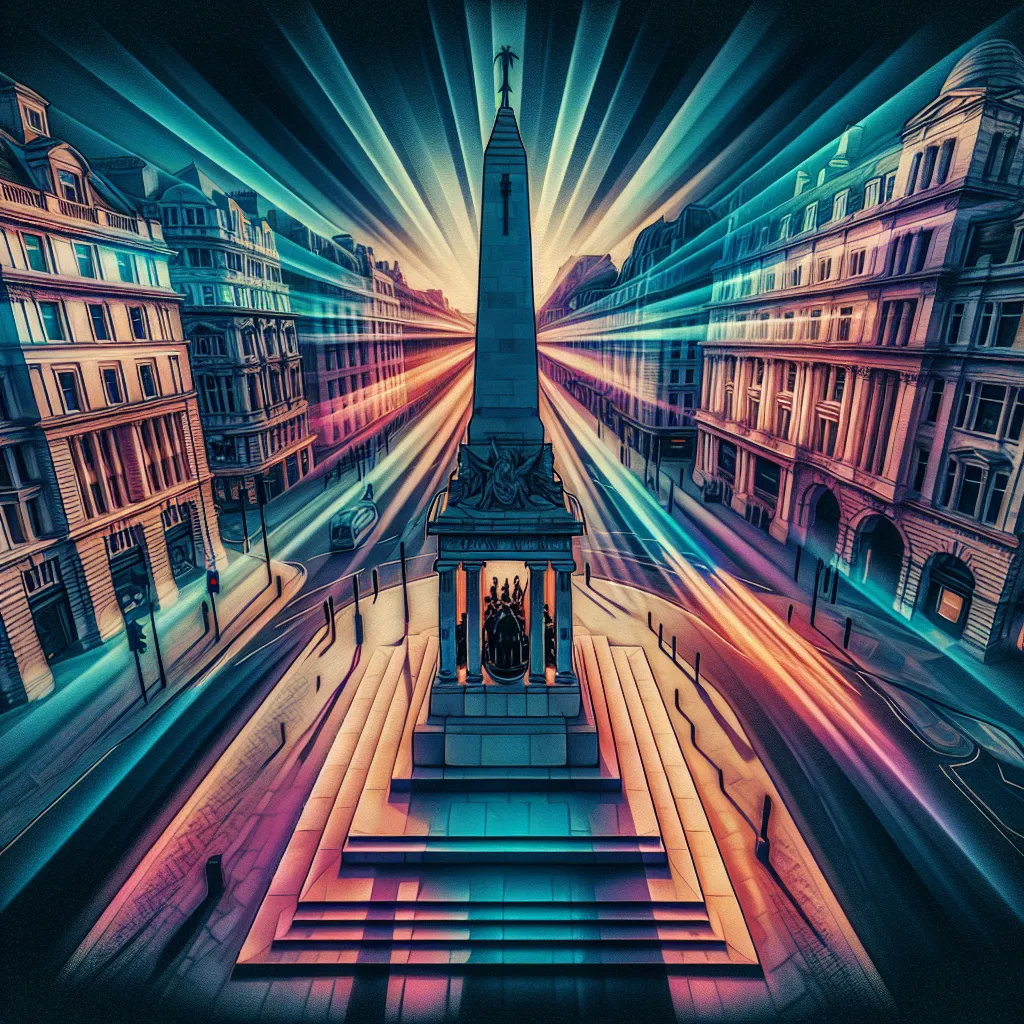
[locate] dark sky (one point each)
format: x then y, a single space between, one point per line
371 116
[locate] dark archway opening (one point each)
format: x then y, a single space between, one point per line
824 527
879 556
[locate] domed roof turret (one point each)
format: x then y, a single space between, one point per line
994 64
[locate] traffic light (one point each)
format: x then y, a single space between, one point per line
212 581
136 637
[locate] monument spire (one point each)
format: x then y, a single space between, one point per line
505 403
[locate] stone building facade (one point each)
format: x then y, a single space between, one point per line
105 491
863 390
238 318
631 351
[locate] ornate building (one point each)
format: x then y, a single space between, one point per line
238 318
105 491
352 360
630 351
864 366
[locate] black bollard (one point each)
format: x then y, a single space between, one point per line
405 583
650 625
661 633
835 584
796 566
846 633
673 648
814 594
763 846
280 585
357 619
671 492
696 668
586 572
827 583
205 609
789 615
214 877
375 577
317 684
334 621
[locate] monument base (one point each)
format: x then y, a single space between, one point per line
492 724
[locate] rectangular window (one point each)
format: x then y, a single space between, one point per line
126 267
915 168
985 326
810 217
824 268
965 403
34 118
208 296
890 186
171 216
921 467
70 392
921 244
112 385
996 495
928 165
945 161
950 604
814 330
989 409
857 262
1009 321
137 316
70 186
1016 418
872 193
947 484
845 323
12 517
84 259
839 204
35 253
970 489
53 321
934 400
98 320
954 323
784 226
796 276
782 422
147 380
769 281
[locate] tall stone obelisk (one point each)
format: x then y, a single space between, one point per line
505 383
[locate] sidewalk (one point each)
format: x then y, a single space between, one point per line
48 744
915 657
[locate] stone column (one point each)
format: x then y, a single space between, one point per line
474 673
853 434
537 571
446 620
898 435
563 622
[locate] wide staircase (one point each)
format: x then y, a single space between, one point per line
614 866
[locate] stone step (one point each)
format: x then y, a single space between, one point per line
441 910
505 849
442 934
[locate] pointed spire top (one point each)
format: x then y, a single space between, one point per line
507 58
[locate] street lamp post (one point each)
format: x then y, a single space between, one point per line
156 639
261 500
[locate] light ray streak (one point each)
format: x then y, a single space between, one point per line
589 47
311 41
